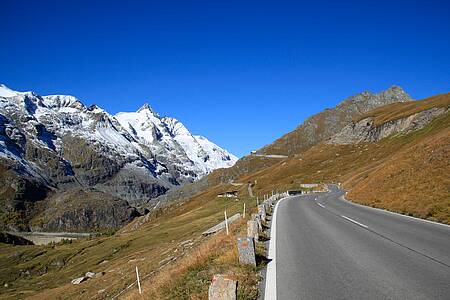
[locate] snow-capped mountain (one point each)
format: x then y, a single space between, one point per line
205 154
168 135
55 143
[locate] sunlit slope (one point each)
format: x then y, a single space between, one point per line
405 172
45 272
312 131
325 124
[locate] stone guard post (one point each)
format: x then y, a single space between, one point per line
252 230
262 212
246 249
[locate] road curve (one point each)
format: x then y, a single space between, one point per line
329 248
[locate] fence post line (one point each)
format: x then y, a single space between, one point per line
138 281
226 221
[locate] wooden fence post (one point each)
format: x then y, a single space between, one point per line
138 281
226 221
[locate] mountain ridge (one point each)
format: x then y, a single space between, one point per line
330 121
55 143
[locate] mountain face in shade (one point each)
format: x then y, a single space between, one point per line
50 145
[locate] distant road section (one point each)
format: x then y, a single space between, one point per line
329 248
270 155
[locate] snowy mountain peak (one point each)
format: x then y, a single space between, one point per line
7 92
175 127
145 109
171 135
60 101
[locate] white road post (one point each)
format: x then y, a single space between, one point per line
138 281
257 201
243 215
226 221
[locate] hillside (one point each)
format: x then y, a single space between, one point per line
312 131
397 149
405 171
330 121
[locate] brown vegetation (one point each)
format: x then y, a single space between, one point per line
401 110
190 277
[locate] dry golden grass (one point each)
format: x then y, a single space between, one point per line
190 277
413 181
401 110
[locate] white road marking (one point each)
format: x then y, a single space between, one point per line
356 222
320 205
270 292
391 212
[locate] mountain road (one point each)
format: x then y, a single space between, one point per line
329 248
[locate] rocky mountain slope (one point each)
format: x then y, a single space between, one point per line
392 119
52 144
330 121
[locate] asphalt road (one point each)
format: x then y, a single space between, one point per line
329 248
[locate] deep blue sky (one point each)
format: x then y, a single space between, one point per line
240 74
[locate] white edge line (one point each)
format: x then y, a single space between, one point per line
320 205
394 213
356 222
270 292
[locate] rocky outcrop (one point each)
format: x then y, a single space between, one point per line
84 210
330 121
12 239
367 130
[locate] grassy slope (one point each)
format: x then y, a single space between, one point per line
401 110
190 277
147 246
415 179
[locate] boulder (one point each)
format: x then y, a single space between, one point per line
222 288
79 280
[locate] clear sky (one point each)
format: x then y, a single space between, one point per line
242 74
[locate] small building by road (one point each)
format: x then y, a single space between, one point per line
228 194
